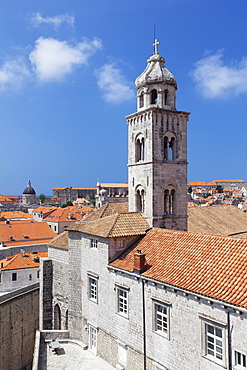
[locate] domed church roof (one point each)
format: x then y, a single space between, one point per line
156 71
29 189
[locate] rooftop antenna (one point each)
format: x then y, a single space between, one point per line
156 42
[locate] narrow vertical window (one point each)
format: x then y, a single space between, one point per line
138 151
138 201
166 97
166 151
141 100
92 289
154 96
122 301
166 202
171 149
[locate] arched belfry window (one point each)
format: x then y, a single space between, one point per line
141 100
57 317
140 199
169 146
139 149
154 96
166 97
170 201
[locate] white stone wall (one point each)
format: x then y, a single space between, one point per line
61 286
23 278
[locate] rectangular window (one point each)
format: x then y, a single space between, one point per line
14 276
161 311
92 288
240 360
161 318
214 342
38 274
122 301
30 276
94 243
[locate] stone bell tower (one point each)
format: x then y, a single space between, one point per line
157 152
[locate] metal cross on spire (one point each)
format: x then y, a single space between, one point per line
155 44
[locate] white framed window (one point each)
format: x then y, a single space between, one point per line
240 360
122 300
122 353
214 338
30 276
94 243
161 317
93 288
214 344
14 276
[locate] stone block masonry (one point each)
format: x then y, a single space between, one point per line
19 320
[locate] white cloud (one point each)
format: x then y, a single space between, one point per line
37 19
13 74
53 59
215 79
112 83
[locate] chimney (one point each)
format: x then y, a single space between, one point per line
139 261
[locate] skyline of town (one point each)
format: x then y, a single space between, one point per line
65 116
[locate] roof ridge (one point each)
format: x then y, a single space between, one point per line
114 223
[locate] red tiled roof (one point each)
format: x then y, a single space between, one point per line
209 265
70 213
16 214
25 232
22 261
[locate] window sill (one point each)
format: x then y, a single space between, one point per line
161 334
126 316
213 359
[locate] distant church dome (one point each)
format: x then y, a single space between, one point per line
156 71
29 189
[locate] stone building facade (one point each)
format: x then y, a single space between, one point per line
138 305
157 152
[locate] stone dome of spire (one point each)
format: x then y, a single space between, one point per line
29 189
156 71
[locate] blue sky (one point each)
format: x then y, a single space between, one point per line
67 72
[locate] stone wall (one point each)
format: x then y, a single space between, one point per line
154 174
60 283
19 320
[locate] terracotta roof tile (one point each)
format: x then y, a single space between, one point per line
60 241
16 214
210 265
116 225
221 220
70 213
25 232
22 261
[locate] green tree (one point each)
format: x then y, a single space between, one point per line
69 203
219 188
207 195
42 198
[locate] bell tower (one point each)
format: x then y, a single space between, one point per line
157 149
